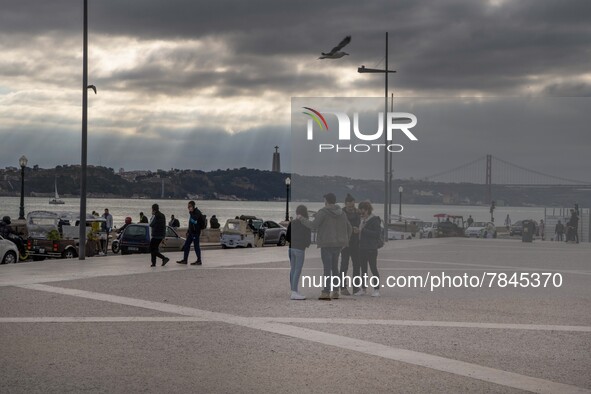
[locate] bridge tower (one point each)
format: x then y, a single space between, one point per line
488 179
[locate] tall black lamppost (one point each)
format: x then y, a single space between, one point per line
385 71
400 190
287 184
23 163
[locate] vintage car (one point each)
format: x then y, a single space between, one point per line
449 226
240 232
55 234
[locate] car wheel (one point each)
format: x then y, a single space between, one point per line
249 245
115 247
9 257
281 240
24 256
224 246
69 254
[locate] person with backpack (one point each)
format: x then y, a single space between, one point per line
370 240
197 222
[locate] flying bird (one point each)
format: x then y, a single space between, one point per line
92 87
336 52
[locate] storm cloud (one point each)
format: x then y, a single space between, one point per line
205 85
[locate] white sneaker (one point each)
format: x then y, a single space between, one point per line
359 292
297 296
376 293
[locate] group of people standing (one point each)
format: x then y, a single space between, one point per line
571 230
351 234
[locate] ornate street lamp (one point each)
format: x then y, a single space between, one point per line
287 184
23 163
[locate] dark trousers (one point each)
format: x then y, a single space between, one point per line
369 256
346 254
330 263
154 249
194 239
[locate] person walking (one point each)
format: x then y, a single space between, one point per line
469 221
334 231
196 220
158 230
370 233
299 238
351 251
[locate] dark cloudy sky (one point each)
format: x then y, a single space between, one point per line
207 85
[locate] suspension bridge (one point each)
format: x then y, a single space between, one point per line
489 170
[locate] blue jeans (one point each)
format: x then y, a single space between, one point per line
296 260
192 238
330 261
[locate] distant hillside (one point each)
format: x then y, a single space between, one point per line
257 185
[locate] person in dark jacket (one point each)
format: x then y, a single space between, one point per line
351 251
214 223
196 220
299 238
143 218
174 222
158 226
370 232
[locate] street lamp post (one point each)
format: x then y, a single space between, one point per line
363 69
23 163
84 150
400 189
287 184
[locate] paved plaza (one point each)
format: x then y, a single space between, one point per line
113 324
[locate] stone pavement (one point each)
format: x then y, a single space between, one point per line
113 324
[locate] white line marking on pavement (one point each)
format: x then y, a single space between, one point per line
105 319
452 366
297 320
532 269
429 323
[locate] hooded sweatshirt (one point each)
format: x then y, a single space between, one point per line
334 230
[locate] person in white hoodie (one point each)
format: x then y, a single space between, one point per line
334 231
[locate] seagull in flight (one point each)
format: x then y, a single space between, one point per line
336 52
92 87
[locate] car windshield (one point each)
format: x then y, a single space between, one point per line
136 232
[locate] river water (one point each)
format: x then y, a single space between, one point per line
271 210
